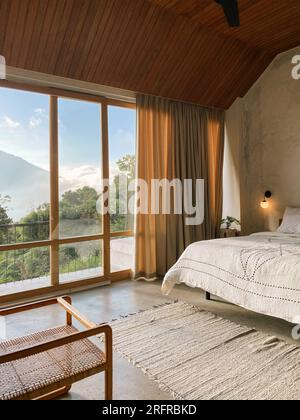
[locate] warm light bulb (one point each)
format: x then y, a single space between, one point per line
264 204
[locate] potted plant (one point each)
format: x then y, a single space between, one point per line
230 221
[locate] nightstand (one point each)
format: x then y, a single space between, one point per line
229 233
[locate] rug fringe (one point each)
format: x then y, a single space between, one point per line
140 311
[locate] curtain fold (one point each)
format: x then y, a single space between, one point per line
176 141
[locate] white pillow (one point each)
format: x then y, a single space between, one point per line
291 221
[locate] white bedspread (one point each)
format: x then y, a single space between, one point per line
260 272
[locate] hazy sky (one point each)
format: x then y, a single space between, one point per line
24 132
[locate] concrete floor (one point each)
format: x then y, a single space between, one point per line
109 302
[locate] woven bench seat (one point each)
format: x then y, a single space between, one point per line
50 373
30 376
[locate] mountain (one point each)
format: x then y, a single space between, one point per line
26 184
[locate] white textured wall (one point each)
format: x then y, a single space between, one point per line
264 131
232 161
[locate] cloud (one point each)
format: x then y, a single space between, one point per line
40 111
74 178
7 122
35 122
40 115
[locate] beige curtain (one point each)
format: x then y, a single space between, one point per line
176 141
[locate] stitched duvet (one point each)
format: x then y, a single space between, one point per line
260 272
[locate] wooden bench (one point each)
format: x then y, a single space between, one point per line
44 365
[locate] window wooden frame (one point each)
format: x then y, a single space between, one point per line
55 241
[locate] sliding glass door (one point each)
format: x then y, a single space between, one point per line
66 166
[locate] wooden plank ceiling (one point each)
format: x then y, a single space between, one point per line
179 49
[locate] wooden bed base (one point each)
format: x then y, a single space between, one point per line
207 296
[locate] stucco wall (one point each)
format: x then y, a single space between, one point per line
232 161
263 129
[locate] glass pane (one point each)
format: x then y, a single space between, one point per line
122 254
24 270
24 163
80 261
80 168
122 139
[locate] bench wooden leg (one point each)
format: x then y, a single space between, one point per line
207 296
109 364
109 383
55 394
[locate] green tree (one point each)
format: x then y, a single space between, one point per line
36 263
24 264
127 165
79 204
67 255
5 220
121 222
37 228
41 214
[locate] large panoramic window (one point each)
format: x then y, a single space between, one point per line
55 153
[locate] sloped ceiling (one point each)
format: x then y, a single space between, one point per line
178 49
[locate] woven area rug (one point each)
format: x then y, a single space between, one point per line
196 355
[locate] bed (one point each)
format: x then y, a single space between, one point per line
260 272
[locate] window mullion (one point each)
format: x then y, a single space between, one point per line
105 176
54 192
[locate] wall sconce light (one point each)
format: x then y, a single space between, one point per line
265 204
